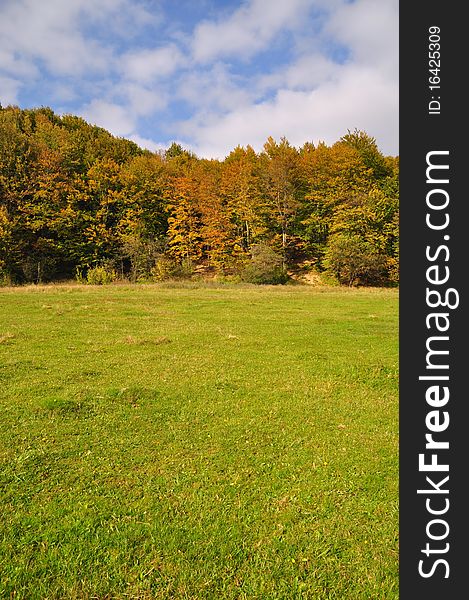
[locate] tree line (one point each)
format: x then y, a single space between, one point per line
76 201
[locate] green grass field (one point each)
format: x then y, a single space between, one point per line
199 442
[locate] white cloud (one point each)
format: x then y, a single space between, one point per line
147 143
306 73
147 65
49 31
94 53
359 99
123 18
62 92
215 89
248 30
316 98
113 117
55 33
8 90
371 30
17 67
141 100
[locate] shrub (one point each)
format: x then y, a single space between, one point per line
168 268
353 260
140 256
101 276
79 275
265 267
393 269
5 278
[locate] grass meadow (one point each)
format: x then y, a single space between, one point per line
198 442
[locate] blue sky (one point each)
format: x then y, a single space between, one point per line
210 74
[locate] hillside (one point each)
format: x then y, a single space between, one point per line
74 198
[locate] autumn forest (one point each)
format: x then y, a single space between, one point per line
79 203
